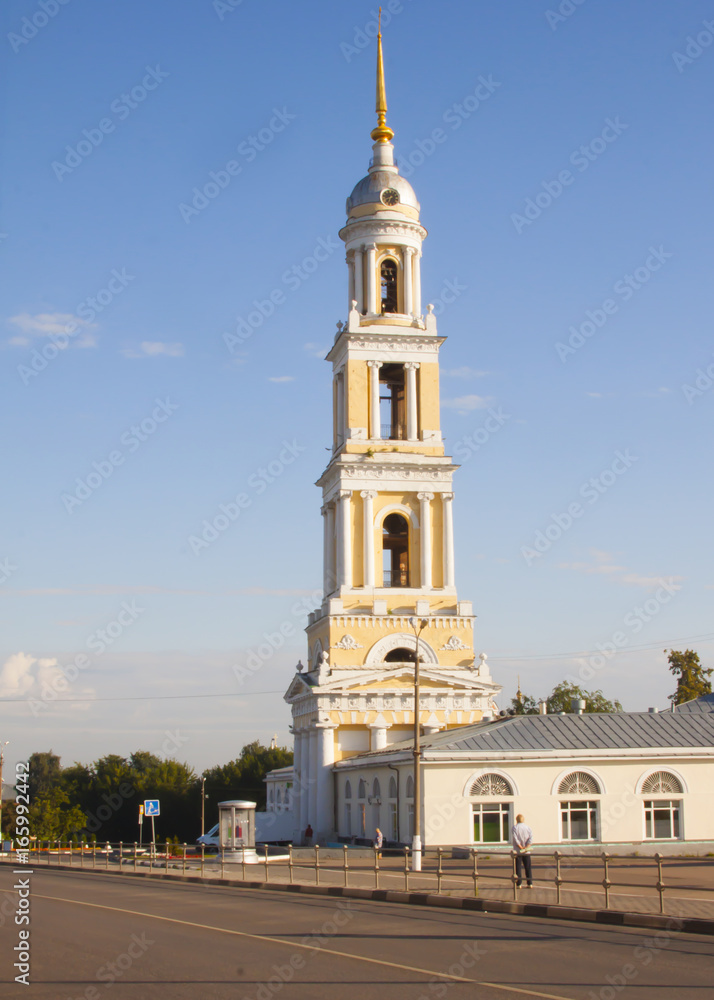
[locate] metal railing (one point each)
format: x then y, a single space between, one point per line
454 871
398 579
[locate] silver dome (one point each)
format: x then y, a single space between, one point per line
369 190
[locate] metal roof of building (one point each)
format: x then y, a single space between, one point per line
703 704
596 731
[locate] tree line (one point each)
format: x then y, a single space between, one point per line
100 801
693 681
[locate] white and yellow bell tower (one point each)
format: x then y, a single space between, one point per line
387 501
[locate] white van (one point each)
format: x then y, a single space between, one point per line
210 839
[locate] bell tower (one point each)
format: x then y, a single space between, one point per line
387 502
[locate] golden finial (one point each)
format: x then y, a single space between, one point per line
382 133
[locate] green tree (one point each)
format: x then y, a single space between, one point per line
243 778
525 705
45 774
562 695
692 678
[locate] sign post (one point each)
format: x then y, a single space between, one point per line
141 824
152 809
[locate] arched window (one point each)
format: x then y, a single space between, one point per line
395 551
662 783
491 784
401 655
392 788
578 783
376 790
348 790
410 787
361 789
388 275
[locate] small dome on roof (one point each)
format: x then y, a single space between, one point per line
371 188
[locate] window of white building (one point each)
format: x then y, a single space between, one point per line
578 820
662 819
491 819
393 812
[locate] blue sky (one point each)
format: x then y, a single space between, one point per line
568 201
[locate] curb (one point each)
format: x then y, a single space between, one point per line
551 911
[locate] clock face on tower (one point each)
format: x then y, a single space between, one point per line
390 197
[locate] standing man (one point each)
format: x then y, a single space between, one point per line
378 841
522 840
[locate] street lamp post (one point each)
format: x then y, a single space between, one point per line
203 804
418 625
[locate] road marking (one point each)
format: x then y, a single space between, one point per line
306 947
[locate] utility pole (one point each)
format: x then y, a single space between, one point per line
418 625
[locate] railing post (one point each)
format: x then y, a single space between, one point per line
184 857
135 854
121 855
406 869
344 861
557 879
242 864
106 859
440 851
474 854
514 877
223 860
376 868
203 857
290 863
317 864
660 882
606 883
81 853
94 854
166 862
69 844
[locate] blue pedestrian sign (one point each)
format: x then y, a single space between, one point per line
151 807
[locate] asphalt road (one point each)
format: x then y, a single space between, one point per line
95 935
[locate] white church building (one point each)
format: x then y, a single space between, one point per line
389 562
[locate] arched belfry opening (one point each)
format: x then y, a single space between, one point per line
388 277
395 551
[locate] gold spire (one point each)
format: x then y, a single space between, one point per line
382 133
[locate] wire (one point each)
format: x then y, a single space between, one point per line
706 637
143 697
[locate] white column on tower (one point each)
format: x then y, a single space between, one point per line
330 576
344 540
374 416
368 497
417 285
297 780
325 755
448 519
408 284
312 779
372 279
350 281
425 534
359 283
340 407
411 369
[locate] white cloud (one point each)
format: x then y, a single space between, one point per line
42 680
466 404
464 372
281 378
51 324
317 350
154 349
603 565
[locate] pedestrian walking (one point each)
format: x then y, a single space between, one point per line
378 841
522 840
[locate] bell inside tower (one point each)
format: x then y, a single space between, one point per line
395 551
388 275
